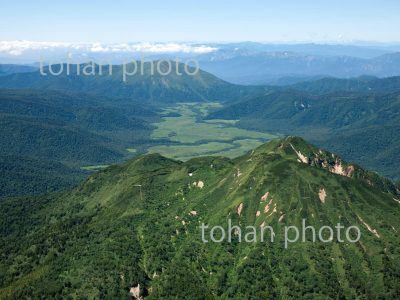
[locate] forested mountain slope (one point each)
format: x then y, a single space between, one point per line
135 228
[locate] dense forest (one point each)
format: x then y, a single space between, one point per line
135 228
357 118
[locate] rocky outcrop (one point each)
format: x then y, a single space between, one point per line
134 292
199 184
322 195
301 157
320 160
264 197
370 229
337 168
240 208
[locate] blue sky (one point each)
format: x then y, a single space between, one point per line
205 20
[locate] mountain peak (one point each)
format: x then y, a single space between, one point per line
141 212
296 148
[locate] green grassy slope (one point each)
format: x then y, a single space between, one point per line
138 224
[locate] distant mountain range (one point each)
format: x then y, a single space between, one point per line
32 51
177 86
271 67
363 84
6 69
241 63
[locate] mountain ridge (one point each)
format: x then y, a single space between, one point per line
135 227
148 83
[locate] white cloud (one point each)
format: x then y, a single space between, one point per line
18 48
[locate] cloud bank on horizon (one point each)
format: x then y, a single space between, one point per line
28 52
18 48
